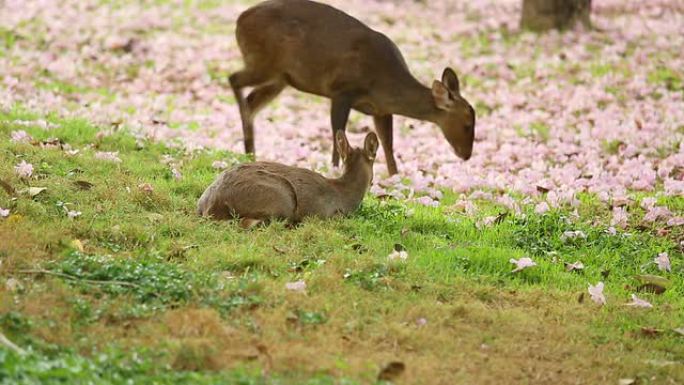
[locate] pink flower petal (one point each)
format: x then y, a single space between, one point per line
23 169
522 263
297 286
596 293
637 302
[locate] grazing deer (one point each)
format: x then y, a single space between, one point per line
260 191
321 50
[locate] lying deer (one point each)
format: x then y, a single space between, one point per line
260 191
321 50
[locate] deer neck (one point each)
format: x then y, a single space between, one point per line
351 187
414 100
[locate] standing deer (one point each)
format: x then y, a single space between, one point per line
321 50
260 191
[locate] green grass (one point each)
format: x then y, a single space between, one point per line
671 79
8 39
116 367
138 287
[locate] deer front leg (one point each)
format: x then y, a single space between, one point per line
383 127
341 105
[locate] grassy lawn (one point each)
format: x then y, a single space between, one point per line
108 276
137 287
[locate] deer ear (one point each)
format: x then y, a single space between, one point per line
451 82
342 144
441 95
370 145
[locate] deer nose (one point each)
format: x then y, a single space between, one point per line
462 153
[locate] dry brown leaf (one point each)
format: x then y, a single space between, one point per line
650 288
155 217
75 171
263 351
13 285
34 191
650 331
52 143
359 248
543 189
77 244
661 363
654 279
627 381
500 218
7 187
653 283
391 371
577 266
83 185
663 232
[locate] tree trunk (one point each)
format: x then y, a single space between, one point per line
543 15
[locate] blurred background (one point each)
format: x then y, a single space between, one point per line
572 95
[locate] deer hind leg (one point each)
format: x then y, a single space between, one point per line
383 127
238 81
262 95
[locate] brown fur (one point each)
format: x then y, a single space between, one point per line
265 190
318 49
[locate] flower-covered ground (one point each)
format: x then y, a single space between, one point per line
597 111
552 256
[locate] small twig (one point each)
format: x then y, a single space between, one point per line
75 278
4 341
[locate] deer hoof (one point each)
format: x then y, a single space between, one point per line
248 223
